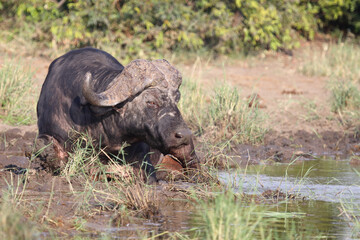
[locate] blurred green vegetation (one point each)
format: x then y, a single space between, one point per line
339 63
151 27
17 102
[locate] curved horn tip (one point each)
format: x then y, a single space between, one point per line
86 85
87 91
88 76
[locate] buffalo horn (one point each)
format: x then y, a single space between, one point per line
172 75
136 76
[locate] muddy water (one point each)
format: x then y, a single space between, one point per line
322 187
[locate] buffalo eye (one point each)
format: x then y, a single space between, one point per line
151 104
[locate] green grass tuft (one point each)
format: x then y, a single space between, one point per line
12 224
108 182
340 61
340 64
227 218
344 95
221 115
17 105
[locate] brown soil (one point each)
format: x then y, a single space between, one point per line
295 130
299 119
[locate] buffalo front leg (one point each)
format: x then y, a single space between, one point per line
51 154
138 155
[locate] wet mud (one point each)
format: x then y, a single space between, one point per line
286 146
16 142
58 200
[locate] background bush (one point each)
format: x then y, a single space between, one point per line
153 27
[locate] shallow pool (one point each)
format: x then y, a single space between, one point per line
328 193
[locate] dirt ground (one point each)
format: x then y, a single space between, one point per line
299 120
300 123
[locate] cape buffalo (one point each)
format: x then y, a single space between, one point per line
88 90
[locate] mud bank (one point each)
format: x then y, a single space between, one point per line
286 146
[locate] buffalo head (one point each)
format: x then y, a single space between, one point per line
143 100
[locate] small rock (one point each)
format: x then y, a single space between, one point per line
255 100
355 161
302 154
292 92
355 148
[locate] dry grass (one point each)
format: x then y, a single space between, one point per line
339 63
222 115
113 186
17 94
13 225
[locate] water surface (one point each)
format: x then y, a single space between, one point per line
323 186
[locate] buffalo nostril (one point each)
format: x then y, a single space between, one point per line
179 135
183 136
